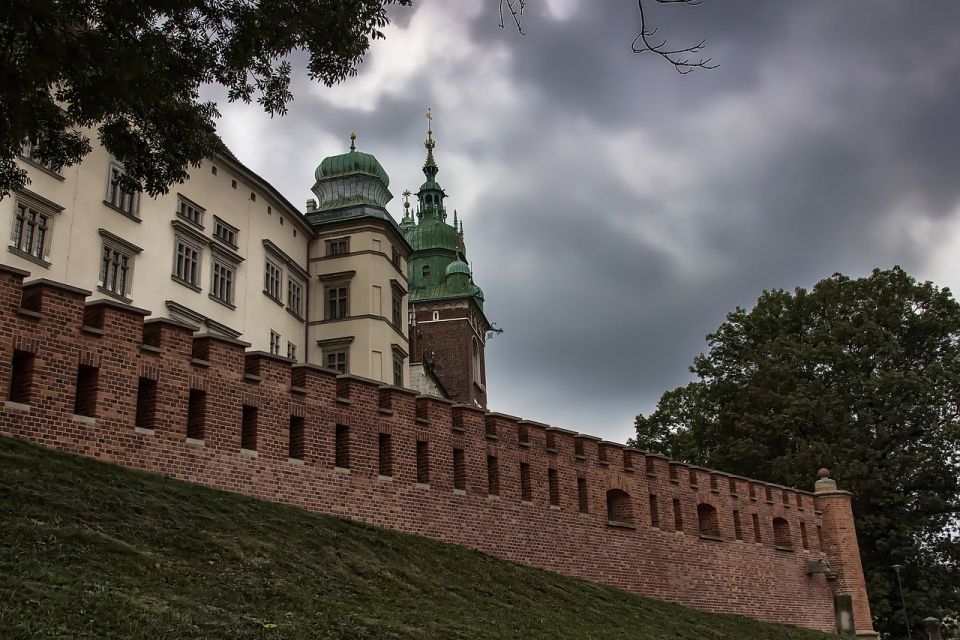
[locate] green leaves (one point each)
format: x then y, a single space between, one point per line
132 71
862 376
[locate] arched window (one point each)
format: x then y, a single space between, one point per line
425 271
781 534
709 520
619 507
429 199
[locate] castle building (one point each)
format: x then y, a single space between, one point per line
225 253
448 327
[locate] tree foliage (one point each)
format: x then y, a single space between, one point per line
133 71
861 376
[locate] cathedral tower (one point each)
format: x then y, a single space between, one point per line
448 328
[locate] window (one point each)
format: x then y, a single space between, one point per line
338 247
31 232
493 476
708 520
459 470
526 490
115 267
395 309
342 447
654 512
291 351
196 414
248 432
272 281
619 508
435 315
274 342
21 377
29 151
186 266
336 360
189 211
146 403
223 279
119 197
781 534
296 438
395 256
553 483
225 232
423 462
337 298
85 400
582 499
425 271
398 372
385 449
295 297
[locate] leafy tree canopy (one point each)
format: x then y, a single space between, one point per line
861 376
133 70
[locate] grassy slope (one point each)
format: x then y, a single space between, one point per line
89 550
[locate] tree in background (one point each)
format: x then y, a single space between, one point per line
132 71
861 376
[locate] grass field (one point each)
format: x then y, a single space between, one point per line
90 550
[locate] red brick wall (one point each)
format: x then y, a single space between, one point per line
745 577
448 344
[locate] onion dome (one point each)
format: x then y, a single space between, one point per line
350 163
458 266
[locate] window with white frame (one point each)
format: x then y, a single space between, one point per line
295 296
125 200
222 284
190 211
291 351
31 232
272 281
274 342
116 269
186 262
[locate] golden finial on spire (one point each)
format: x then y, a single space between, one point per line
429 144
353 139
406 198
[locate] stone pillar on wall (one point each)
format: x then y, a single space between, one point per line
842 550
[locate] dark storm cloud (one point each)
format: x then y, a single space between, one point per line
615 211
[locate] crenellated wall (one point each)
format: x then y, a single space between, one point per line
386 456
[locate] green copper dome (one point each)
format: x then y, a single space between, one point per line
349 163
458 266
434 234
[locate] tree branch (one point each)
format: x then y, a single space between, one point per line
516 9
681 59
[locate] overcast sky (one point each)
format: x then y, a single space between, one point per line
614 210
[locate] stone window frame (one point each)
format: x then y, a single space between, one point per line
295 303
338 280
27 154
227 277
396 304
275 341
189 211
115 197
399 356
225 232
291 350
336 247
186 236
336 347
273 280
45 210
124 249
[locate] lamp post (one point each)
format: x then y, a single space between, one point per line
897 568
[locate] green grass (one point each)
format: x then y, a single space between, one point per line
90 550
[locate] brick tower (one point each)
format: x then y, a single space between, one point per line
448 328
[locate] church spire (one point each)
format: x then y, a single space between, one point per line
430 165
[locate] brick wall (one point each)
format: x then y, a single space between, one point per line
448 344
573 535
